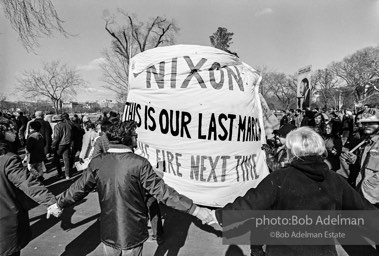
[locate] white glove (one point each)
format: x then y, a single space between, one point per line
54 210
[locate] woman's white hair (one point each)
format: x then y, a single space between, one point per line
304 142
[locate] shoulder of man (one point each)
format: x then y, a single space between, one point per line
5 159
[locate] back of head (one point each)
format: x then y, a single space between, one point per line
121 132
304 142
105 126
65 116
36 126
89 125
75 119
112 114
86 119
38 114
309 114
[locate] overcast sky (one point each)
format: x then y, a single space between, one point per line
284 35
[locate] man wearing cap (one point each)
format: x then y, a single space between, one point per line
61 145
368 178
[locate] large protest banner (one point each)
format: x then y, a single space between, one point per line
199 114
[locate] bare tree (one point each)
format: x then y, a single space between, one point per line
360 71
279 89
32 19
115 74
56 82
264 86
128 39
325 83
3 99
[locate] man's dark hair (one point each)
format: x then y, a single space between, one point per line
112 114
65 116
105 126
89 125
35 126
121 132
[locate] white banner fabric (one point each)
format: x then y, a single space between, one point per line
199 119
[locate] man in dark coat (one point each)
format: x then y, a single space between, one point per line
77 133
123 180
17 188
45 131
35 156
61 145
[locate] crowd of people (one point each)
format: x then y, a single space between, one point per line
63 138
342 131
318 160
69 139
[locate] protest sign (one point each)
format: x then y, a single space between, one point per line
304 90
199 116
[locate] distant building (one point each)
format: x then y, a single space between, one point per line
107 103
91 105
71 106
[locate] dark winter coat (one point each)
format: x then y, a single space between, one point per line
62 134
46 132
77 133
347 125
307 184
333 142
17 186
35 148
122 181
307 119
22 121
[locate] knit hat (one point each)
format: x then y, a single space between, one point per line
370 115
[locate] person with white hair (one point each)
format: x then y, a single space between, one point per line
305 184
